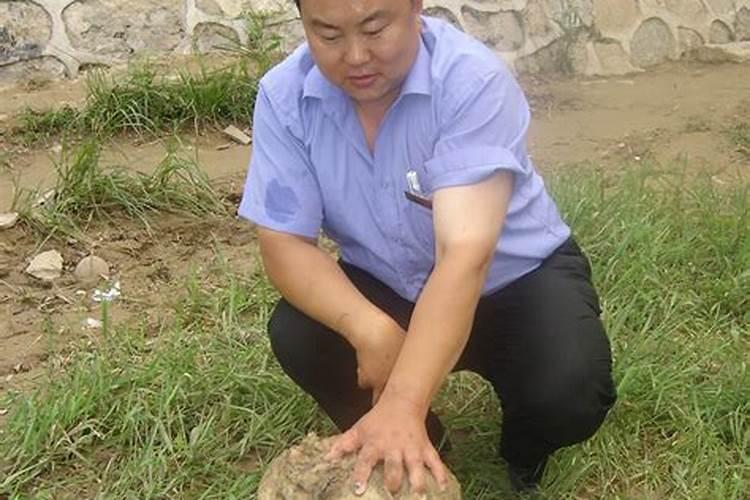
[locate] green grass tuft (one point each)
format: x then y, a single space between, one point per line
148 99
85 190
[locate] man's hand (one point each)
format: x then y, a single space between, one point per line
378 344
393 432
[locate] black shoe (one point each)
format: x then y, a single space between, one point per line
526 479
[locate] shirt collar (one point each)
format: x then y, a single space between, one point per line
418 80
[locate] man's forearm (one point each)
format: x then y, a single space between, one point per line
309 278
438 332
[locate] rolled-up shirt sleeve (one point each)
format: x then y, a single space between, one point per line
281 191
483 131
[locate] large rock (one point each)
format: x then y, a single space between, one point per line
652 43
235 8
742 25
720 33
688 40
25 28
613 17
721 7
613 60
687 10
499 30
302 473
42 69
119 29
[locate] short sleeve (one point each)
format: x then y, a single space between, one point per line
484 131
281 191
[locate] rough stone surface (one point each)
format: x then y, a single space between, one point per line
612 17
721 7
301 473
8 220
500 30
734 52
561 57
686 9
119 29
43 69
235 8
445 14
209 7
25 29
742 25
537 20
90 270
652 43
720 33
613 59
46 266
688 40
208 37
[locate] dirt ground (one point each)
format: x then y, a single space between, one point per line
677 112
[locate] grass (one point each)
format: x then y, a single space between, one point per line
153 99
739 134
196 407
86 190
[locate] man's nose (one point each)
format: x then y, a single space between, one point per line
357 53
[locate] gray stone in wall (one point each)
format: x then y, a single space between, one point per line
652 43
209 37
742 25
615 16
537 20
235 8
500 30
686 9
118 29
25 29
445 14
688 40
41 69
721 7
720 33
561 57
613 59
209 7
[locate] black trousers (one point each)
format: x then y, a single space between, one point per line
538 341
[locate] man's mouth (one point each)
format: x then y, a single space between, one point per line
363 81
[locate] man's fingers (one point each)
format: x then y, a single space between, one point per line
343 445
366 461
437 467
393 471
415 467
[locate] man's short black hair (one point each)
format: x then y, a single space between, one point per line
296 2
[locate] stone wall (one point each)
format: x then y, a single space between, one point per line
50 39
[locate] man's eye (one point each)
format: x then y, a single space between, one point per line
375 32
329 38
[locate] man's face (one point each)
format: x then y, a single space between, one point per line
366 47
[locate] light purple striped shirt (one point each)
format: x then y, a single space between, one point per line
460 117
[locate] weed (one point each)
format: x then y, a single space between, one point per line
85 190
739 134
145 100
